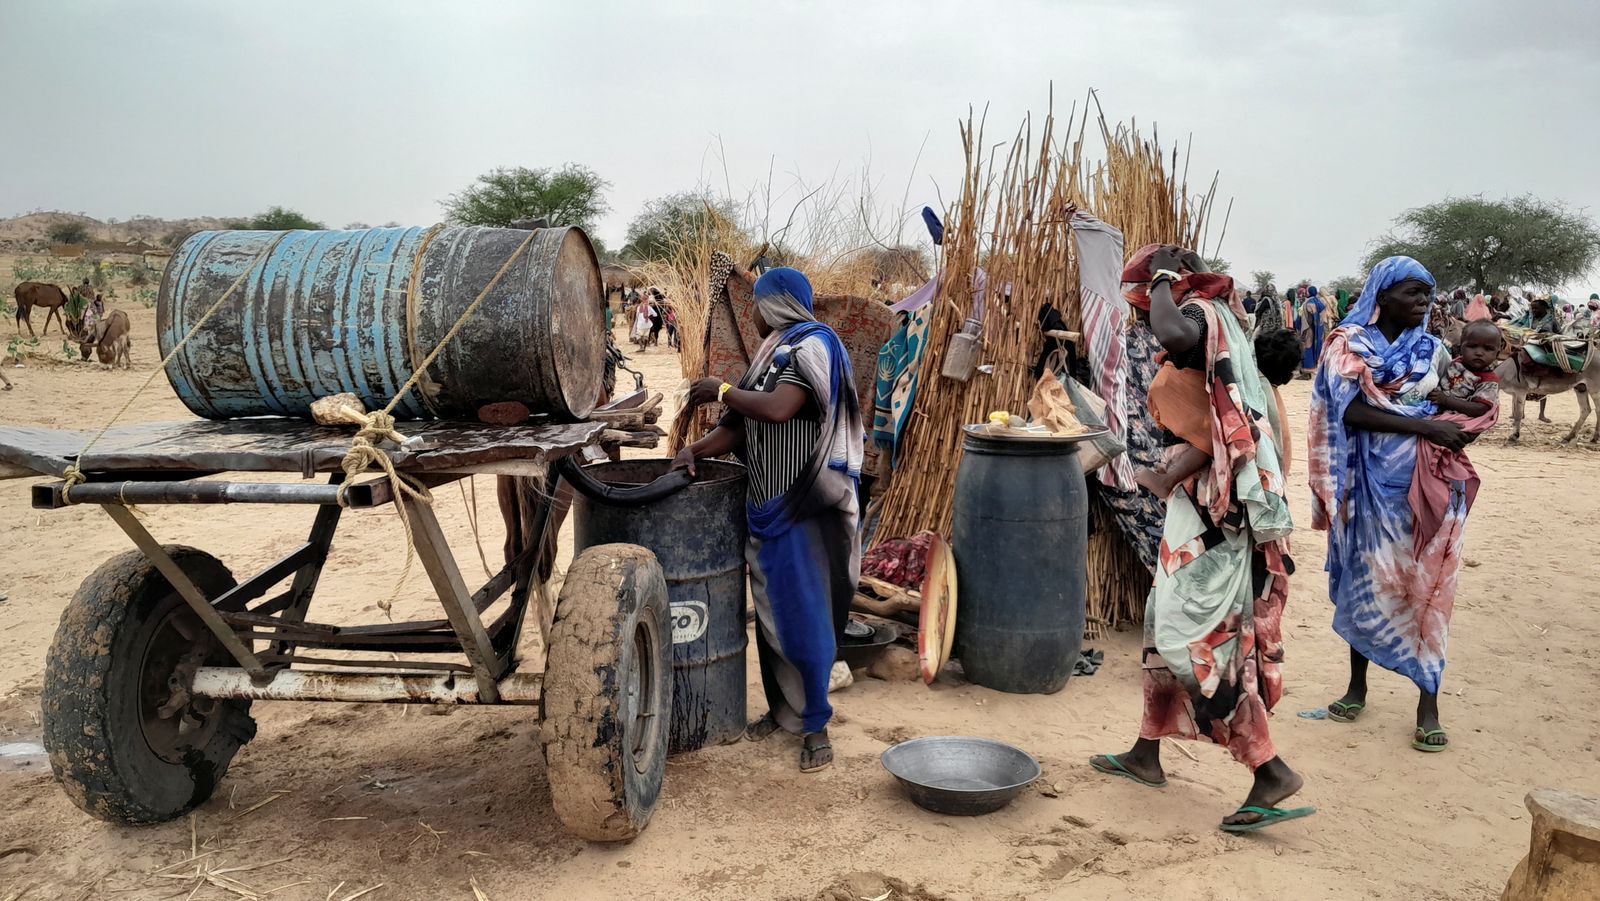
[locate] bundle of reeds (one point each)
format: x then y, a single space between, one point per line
1012 221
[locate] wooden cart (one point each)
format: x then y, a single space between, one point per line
152 672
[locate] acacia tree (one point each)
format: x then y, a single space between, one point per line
68 233
571 195
1262 279
666 221
275 219
1490 244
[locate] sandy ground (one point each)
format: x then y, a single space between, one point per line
425 802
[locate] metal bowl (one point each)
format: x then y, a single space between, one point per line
960 775
859 652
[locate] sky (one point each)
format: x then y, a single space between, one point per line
1325 118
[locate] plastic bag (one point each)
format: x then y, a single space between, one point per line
1092 413
1053 408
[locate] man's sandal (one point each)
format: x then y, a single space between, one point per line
809 755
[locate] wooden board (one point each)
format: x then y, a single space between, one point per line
936 629
283 445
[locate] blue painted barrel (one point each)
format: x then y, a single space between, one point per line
1020 539
326 312
698 534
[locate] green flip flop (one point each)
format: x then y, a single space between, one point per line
1117 769
1269 816
1341 712
1420 740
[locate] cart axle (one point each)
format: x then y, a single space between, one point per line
54 495
232 683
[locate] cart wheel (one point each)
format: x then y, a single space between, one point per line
125 740
608 693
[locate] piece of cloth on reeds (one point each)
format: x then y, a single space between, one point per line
899 374
1105 318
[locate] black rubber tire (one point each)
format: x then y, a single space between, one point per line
93 727
605 763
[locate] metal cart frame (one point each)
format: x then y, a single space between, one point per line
259 643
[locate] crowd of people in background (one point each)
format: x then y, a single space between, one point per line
1304 311
648 314
1312 316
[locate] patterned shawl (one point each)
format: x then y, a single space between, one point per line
1246 477
1360 362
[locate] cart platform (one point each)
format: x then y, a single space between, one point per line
284 445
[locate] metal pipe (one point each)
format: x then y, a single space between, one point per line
226 682
428 539
180 581
54 495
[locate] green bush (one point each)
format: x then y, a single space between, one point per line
68 233
51 270
281 219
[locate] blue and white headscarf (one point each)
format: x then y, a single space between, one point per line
1388 273
783 298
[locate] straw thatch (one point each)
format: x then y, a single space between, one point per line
1012 219
616 276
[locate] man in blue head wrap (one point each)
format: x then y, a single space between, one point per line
795 422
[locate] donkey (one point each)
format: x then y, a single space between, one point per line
110 341
1450 330
1518 381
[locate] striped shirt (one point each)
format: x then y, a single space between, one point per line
777 453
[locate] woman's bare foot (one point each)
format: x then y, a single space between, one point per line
1275 782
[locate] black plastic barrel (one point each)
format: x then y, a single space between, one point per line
698 534
324 312
1020 538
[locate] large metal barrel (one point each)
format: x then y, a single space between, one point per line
698 534
1020 538
325 312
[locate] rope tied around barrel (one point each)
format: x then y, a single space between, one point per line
73 474
364 453
374 427
378 426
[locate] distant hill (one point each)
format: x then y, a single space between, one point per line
32 227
